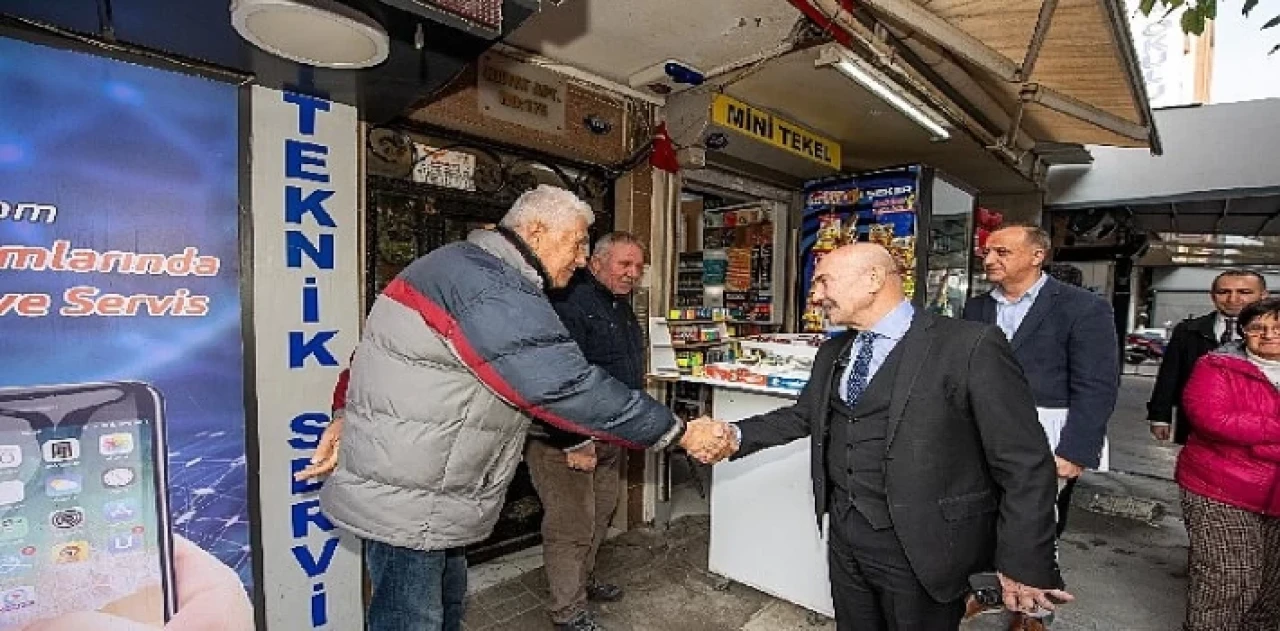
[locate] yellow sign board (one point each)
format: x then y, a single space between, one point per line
774 130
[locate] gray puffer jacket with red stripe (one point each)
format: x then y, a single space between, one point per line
458 352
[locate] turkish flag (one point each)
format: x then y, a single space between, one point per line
664 151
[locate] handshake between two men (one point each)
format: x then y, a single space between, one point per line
709 440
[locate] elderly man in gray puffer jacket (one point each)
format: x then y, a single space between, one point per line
459 352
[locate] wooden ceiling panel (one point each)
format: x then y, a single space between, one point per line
1081 59
1004 26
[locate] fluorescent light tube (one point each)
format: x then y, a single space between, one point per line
849 67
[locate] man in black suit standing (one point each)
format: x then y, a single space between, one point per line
1232 291
926 456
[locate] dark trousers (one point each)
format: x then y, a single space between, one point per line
872 583
1064 503
577 508
415 590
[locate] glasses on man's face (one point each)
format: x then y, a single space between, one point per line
1259 330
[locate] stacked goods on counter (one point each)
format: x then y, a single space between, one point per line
698 336
695 334
692 363
713 314
780 361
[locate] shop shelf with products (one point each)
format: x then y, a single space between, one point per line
733 247
689 280
683 347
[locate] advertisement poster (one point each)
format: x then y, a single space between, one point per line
123 477
879 207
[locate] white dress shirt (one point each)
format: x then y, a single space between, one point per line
1011 313
889 331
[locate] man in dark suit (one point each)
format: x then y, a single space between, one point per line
1232 291
1065 340
926 456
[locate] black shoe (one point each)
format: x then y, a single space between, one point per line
604 593
583 621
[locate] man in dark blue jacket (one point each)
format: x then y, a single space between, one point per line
577 478
1065 339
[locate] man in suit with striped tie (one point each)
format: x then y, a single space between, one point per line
927 456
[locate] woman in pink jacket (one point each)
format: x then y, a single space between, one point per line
1230 478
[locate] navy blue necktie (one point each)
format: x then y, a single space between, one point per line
860 373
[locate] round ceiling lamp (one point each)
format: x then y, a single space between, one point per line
320 33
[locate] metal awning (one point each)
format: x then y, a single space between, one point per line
1038 71
1243 213
1176 250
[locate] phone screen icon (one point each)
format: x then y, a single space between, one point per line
14 528
67 518
61 449
120 511
10 456
124 542
12 492
117 444
71 552
15 564
63 485
119 477
17 598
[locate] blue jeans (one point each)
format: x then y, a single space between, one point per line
415 590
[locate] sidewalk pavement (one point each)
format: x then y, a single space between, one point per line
667 585
1127 574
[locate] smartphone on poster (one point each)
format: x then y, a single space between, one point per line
84 517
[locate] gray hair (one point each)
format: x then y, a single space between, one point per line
550 205
1036 236
620 237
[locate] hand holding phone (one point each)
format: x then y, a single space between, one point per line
210 596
